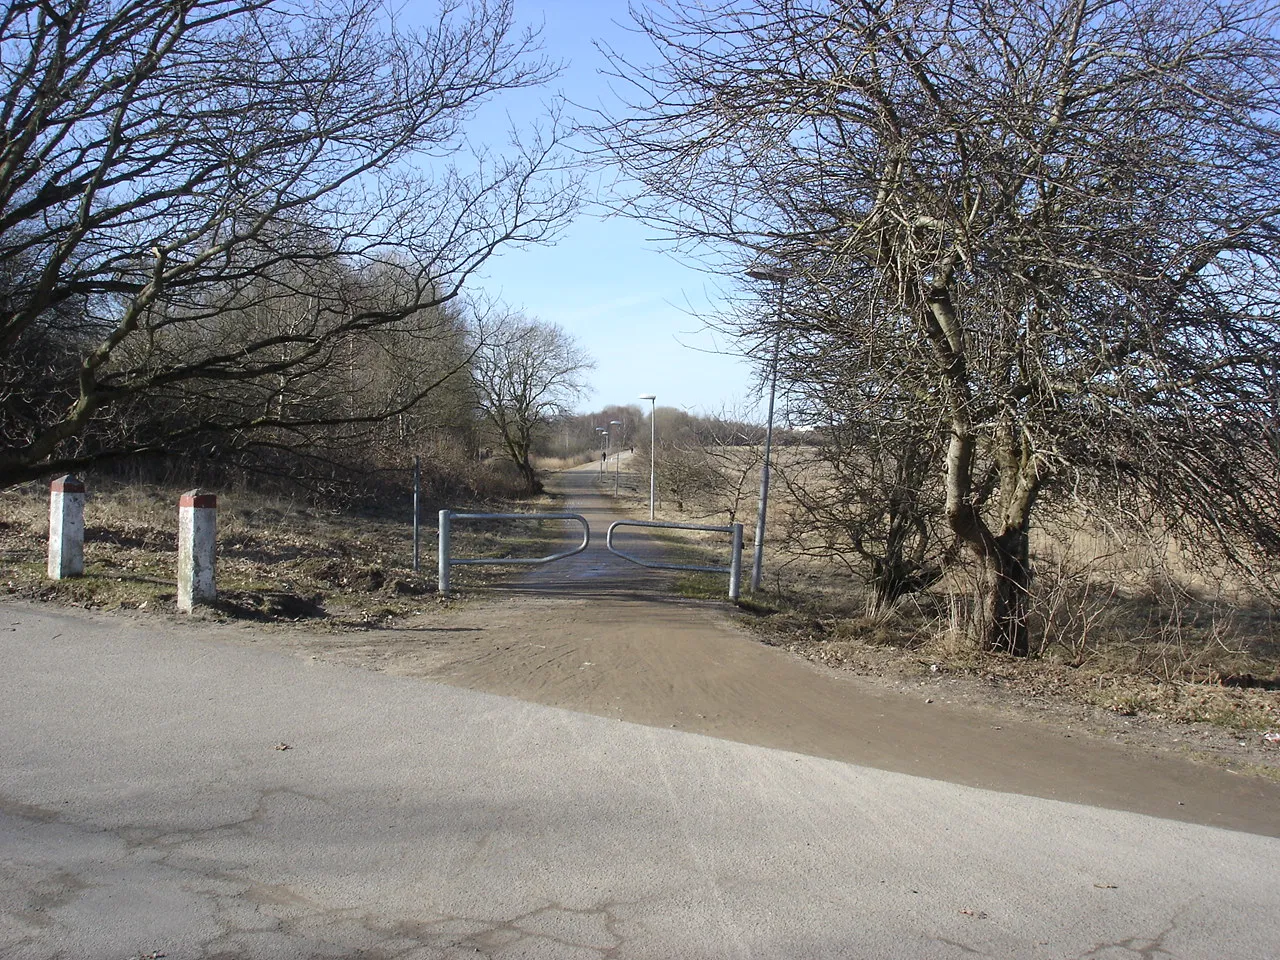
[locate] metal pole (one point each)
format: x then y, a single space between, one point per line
758 557
775 273
417 478
653 448
617 457
442 578
735 563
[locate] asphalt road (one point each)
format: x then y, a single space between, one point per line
145 808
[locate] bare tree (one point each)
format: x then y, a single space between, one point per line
197 196
526 375
865 496
359 398
708 465
1048 231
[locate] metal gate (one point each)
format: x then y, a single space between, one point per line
446 560
734 569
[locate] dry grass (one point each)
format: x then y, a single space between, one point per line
1118 633
1162 656
1114 697
552 464
277 559
1123 624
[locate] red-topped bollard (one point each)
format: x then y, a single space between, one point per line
197 543
66 527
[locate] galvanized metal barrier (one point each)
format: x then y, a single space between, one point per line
446 561
735 560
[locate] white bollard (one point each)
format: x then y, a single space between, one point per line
197 542
66 528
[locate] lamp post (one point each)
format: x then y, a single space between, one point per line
605 456
778 275
653 446
617 457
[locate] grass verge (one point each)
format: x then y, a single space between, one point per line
1128 689
277 560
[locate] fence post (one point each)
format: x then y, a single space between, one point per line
197 544
442 579
417 481
735 563
66 528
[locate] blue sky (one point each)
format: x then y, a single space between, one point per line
628 303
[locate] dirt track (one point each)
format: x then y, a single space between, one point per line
599 635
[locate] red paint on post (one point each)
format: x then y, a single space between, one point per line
194 498
67 484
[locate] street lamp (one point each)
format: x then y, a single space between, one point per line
605 458
778 275
617 458
653 433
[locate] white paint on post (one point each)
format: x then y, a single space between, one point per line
66 528
197 543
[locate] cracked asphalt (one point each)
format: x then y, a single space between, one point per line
148 807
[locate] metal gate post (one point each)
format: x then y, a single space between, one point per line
735 563
447 560
417 513
734 569
442 584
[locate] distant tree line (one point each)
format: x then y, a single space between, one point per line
238 232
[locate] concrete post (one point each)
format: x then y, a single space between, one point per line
197 542
66 528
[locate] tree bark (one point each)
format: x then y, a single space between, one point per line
521 447
1002 605
530 476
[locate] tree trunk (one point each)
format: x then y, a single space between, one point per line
1002 605
530 476
894 578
